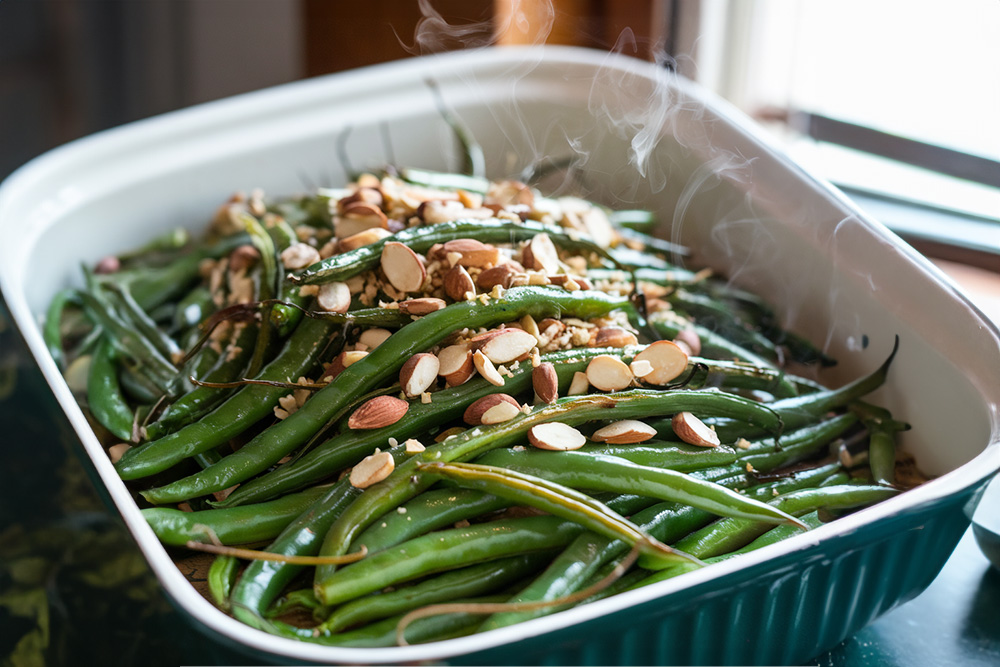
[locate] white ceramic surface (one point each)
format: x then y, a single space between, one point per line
643 138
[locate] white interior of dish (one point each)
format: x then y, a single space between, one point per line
644 140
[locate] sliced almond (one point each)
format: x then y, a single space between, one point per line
402 267
456 364
368 195
579 385
499 413
240 259
334 297
299 256
508 345
418 373
350 357
413 446
608 373
115 452
556 436
372 338
502 275
421 306
596 223
667 359
540 254
475 413
378 412
487 369
372 470
693 431
614 337
691 339
473 253
458 283
363 238
545 382
624 432
641 368
357 217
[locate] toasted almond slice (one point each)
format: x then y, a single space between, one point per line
540 254
499 413
508 345
421 306
372 338
529 324
115 452
598 226
458 282
545 382
418 373
556 436
667 359
487 369
299 256
641 368
624 432
403 267
350 357
614 337
691 339
357 218
693 431
372 469
579 385
456 364
413 446
378 412
608 373
334 297
473 415
363 238
473 253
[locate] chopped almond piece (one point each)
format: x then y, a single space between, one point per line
693 431
418 373
402 267
608 373
625 432
556 436
667 359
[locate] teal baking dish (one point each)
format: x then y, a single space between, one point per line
642 137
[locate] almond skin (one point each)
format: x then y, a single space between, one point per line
614 337
363 238
474 413
418 373
540 254
693 431
545 382
502 275
378 412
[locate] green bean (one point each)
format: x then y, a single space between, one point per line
729 534
236 414
196 306
600 472
668 522
221 577
143 323
52 330
104 393
556 499
237 525
444 181
473 580
327 404
444 550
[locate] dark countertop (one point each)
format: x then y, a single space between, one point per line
74 588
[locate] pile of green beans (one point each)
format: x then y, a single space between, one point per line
254 390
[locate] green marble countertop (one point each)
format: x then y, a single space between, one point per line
74 588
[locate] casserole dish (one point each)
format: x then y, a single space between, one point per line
642 138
